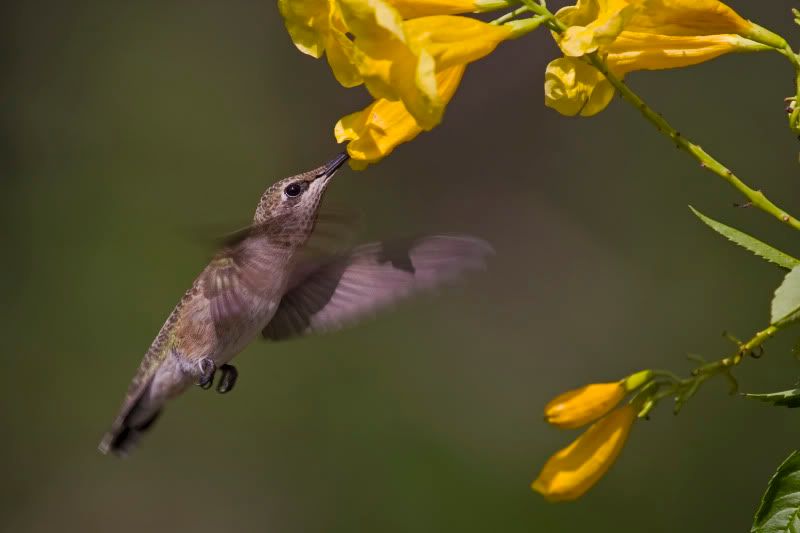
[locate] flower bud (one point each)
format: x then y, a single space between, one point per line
572 471
578 407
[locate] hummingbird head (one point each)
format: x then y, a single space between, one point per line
295 200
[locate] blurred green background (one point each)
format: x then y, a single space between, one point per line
132 132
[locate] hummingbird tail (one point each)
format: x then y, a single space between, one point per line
122 441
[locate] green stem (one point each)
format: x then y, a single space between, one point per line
794 116
745 348
755 197
666 384
510 15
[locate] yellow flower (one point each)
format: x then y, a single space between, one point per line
639 35
570 472
594 24
399 60
578 407
375 131
316 27
639 51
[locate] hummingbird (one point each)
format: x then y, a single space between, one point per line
265 281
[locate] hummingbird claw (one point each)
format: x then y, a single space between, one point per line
228 379
207 371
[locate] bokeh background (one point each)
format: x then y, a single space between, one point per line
132 133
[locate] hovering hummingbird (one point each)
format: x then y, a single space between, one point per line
264 281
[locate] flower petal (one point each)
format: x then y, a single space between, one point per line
423 8
592 23
686 17
455 40
341 53
641 51
307 23
578 407
375 24
377 130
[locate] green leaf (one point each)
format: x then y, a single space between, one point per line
786 304
779 511
744 240
787 398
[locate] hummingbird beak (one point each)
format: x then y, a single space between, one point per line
331 167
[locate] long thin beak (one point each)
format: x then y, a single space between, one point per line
330 169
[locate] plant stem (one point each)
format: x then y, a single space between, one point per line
746 347
510 15
794 116
667 384
754 197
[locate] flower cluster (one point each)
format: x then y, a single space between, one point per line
411 54
570 472
638 35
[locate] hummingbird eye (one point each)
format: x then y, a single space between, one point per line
293 189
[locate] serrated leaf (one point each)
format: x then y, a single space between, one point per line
786 303
761 249
779 511
786 398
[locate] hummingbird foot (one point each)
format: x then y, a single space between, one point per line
207 371
228 379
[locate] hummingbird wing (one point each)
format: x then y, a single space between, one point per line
355 285
244 269
237 276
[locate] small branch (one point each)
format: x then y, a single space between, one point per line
744 349
666 384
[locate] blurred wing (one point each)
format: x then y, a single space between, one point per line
245 267
236 277
372 277
223 287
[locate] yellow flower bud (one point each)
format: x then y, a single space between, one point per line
573 87
570 472
578 407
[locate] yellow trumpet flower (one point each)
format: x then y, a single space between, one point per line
640 35
316 27
586 404
399 60
572 471
375 131
593 24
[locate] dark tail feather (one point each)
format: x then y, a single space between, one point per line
122 441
